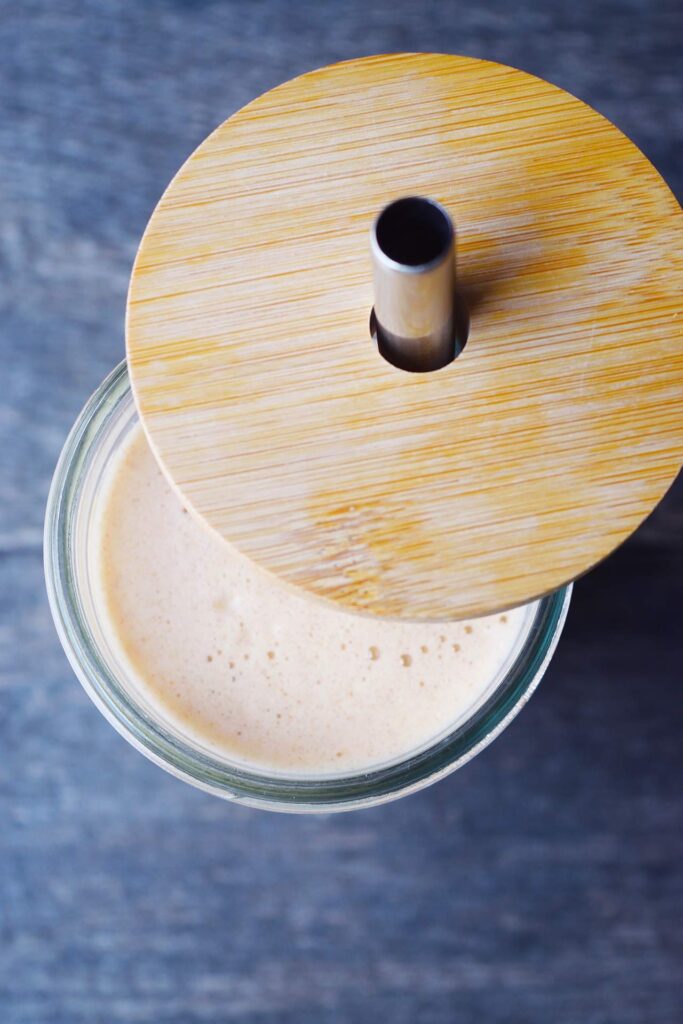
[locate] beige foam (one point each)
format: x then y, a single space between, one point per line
257 672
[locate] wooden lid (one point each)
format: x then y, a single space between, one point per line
438 495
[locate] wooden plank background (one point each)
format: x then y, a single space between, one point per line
541 883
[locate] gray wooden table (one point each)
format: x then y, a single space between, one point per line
543 882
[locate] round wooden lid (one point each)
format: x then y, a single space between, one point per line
439 495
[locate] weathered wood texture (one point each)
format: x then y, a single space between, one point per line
435 495
543 882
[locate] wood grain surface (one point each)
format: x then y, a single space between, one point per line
542 882
437 495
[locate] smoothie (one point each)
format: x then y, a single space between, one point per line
271 679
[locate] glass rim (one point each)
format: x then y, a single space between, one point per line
209 772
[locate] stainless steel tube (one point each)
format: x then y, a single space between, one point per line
413 255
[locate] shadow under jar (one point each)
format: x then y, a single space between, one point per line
96 440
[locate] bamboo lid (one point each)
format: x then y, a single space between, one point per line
439 495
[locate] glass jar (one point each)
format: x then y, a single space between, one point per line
94 440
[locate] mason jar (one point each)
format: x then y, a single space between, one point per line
94 441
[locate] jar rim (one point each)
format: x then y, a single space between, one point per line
207 771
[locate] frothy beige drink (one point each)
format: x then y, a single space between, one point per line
262 675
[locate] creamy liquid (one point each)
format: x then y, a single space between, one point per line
258 673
